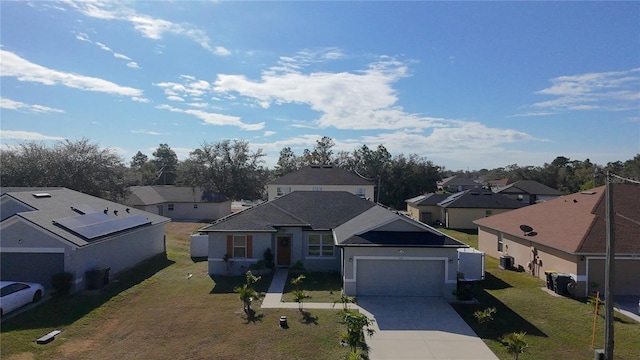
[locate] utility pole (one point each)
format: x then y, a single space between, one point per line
609 269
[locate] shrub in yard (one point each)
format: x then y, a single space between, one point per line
357 325
247 294
485 316
299 295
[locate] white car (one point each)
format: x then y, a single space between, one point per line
15 294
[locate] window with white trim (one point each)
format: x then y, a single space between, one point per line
320 245
283 190
317 188
500 242
360 192
239 246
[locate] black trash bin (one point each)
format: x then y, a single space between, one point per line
464 289
560 282
549 273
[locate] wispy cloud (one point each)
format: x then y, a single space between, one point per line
26 135
14 66
214 118
146 132
605 91
17 105
148 26
84 37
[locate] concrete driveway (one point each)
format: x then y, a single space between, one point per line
420 328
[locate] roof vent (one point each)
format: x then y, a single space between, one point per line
588 193
41 195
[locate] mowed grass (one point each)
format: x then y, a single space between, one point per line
323 287
556 327
155 312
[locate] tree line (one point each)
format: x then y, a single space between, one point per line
231 167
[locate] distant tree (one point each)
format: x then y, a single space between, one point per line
632 168
229 168
321 153
166 162
287 162
138 160
77 165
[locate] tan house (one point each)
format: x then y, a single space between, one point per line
568 235
321 178
425 208
456 184
460 210
180 203
529 192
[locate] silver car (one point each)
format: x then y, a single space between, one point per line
15 294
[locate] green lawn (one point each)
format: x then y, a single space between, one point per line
319 286
155 312
556 327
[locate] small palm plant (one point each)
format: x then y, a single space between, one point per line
515 343
345 300
299 295
357 325
247 294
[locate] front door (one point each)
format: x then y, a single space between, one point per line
284 250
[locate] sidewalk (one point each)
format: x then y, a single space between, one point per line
273 298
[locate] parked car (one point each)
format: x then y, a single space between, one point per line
14 294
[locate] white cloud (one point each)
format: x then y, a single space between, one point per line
121 56
189 88
133 65
14 66
214 118
147 132
175 98
149 27
605 91
84 37
17 105
26 135
269 133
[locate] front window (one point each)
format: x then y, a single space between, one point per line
239 246
170 206
320 245
360 192
283 190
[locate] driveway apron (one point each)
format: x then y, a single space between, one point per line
420 328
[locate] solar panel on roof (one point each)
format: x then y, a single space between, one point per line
96 225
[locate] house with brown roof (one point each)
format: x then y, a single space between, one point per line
529 191
568 235
321 178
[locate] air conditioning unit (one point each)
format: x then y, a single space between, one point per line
506 262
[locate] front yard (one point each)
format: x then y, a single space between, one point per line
556 327
155 312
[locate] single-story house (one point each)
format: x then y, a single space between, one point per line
457 184
47 231
568 235
425 208
180 203
378 251
461 209
529 192
321 178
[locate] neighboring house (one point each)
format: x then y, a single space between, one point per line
48 231
529 192
456 184
180 203
497 184
321 178
377 251
425 208
461 209
568 235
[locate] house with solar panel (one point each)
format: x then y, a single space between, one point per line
48 231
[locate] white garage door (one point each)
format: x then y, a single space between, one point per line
400 277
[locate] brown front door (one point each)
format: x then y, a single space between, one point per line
284 250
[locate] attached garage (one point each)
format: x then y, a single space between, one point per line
627 281
40 266
400 277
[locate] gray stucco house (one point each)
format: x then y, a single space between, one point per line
47 231
378 251
180 203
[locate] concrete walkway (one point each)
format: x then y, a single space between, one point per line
407 328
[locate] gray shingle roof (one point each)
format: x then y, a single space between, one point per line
318 210
479 198
321 175
427 199
61 203
529 187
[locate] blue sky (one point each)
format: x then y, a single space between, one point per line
468 85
